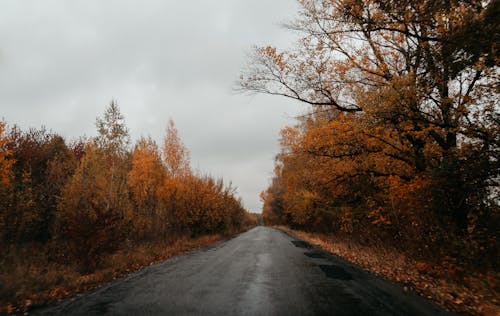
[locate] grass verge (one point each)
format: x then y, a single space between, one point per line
472 293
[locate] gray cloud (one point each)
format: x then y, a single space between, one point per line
61 62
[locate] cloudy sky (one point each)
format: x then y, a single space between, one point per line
62 62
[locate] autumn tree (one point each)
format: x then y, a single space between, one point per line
94 210
272 200
43 163
88 225
353 54
5 157
204 205
178 173
60 166
113 140
418 95
145 179
196 204
78 203
175 153
6 177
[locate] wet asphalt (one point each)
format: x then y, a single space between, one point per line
261 272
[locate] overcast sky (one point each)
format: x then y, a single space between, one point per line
62 62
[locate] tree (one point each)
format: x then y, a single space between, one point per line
175 153
272 199
145 178
6 160
412 78
94 211
6 177
354 50
87 223
113 135
178 173
113 140
42 165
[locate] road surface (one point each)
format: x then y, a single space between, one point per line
261 272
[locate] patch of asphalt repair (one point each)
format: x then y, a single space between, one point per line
260 272
335 272
315 255
301 244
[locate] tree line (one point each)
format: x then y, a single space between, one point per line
84 199
399 146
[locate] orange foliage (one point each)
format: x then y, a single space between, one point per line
175 154
401 141
91 199
89 221
145 178
6 160
6 175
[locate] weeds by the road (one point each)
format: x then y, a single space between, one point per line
473 293
29 278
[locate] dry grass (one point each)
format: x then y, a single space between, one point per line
28 278
476 294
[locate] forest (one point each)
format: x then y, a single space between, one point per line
399 145
69 206
395 155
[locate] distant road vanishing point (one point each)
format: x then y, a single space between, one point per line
261 272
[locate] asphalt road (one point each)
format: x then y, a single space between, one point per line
261 272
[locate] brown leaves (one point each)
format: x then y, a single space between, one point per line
471 295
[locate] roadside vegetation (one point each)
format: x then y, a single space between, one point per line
398 150
74 215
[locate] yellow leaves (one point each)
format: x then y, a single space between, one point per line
289 137
278 59
58 292
93 189
175 153
308 197
268 50
377 214
377 217
147 172
201 204
168 195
